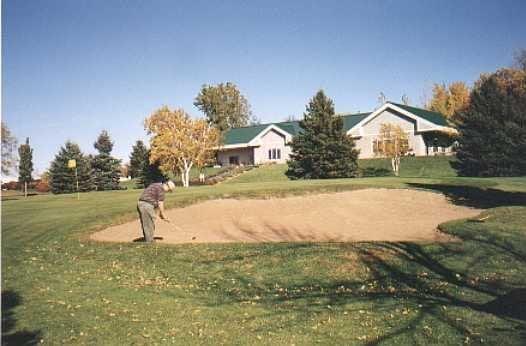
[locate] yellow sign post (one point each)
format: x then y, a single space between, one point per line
73 164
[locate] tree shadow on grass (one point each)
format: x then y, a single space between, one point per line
429 281
10 300
512 304
472 196
435 280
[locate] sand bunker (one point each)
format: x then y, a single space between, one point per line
361 215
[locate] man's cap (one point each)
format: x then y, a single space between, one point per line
171 185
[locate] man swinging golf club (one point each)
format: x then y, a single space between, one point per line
152 198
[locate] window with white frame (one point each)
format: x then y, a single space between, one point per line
274 154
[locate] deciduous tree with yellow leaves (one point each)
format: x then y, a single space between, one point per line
450 99
179 142
392 142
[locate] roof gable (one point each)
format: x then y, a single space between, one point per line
433 117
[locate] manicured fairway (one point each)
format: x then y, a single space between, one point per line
59 287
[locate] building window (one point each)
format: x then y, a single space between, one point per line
274 154
381 146
376 146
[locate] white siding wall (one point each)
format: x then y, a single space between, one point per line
371 130
271 140
387 116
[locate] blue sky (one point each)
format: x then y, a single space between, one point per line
73 68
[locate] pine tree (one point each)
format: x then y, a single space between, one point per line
149 173
492 129
106 169
25 167
322 149
138 155
62 179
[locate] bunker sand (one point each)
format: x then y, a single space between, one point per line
360 215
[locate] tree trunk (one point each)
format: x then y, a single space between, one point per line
185 172
182 177
25 189
395 163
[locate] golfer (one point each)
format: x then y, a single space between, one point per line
152 198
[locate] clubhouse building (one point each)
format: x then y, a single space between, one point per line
428 134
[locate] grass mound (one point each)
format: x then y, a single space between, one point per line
411 167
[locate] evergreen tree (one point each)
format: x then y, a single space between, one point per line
25 166
322 149
149 173
492 129
106 169
62 179
138 155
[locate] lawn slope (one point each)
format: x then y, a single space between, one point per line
63 289
436 166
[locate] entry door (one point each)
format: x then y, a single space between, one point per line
233 160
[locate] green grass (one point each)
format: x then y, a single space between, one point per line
129 184
60 287
435 167
9 195
194 174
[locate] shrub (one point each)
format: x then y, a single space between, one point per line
42 186
11 185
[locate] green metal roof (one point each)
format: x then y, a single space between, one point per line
434 117
292 127
350 120
243 135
